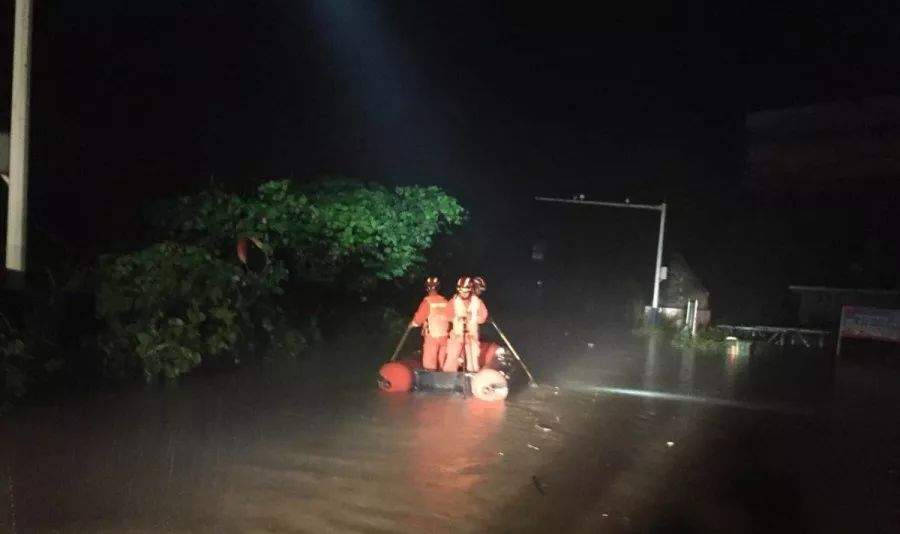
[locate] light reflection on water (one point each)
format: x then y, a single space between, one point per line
766 375
712 401
453 446
686 371
323 451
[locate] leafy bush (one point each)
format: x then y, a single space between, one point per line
176 304
170 305
331 231
707 340
663 325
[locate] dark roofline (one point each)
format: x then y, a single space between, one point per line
845 290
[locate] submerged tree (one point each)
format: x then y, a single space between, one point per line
169 306
322 230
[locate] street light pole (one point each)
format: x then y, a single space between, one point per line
17 197
659 252
661 208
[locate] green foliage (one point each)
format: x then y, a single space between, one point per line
170 305
663 326
176 304
707 340
331 231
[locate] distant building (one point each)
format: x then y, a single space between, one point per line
830 172
836 146
680 286
821 306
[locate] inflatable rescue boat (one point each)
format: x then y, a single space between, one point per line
491 383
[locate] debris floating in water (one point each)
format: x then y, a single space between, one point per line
590 345
670 443
537 484
543 427
499 453
535 447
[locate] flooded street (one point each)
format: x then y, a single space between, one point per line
626 435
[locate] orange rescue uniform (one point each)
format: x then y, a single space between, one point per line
432 316
466 315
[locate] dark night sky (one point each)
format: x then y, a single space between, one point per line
406 88
493 100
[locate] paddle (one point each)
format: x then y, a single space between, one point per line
531 379
402 341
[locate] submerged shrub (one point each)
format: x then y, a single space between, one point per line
27 359
14 359
707 340
169 306
177 304
333 231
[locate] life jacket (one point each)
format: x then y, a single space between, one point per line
465 317
437 324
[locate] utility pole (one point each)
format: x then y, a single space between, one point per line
659 251
17 196
661 208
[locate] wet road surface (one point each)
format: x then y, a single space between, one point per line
629 435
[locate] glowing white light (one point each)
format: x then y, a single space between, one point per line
782 408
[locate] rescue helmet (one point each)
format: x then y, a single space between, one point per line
464 282
432 283
480 285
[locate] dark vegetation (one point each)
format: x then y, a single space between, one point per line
184 301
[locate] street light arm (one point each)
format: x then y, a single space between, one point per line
655 207
661 208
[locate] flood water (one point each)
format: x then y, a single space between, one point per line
624 435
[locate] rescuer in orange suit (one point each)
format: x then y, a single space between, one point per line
487 349
467 312
433 318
